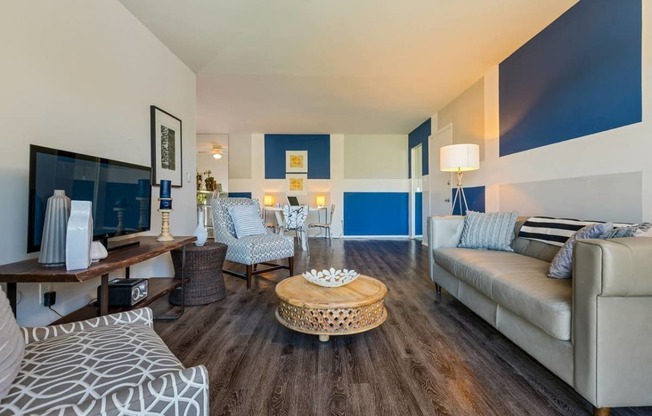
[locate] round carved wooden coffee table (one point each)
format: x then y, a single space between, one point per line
306 307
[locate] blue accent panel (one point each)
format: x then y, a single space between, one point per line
376 213
418 213
475 198
579 76
416 137
317 145
240 195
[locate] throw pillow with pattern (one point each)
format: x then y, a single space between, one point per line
562 264
488 231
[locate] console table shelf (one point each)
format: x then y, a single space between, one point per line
157 288
30 271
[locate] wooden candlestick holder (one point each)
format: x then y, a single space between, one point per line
165 226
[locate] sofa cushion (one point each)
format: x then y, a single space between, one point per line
84 365
12 346
517 282
488 231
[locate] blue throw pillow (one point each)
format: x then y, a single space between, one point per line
488 231
246 220
562 264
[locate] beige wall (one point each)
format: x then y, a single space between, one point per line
375 156
466 114
240 156
81 76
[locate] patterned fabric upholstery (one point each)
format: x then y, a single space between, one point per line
252 249
295 217
12 346
104 366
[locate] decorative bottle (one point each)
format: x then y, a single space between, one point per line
53 243
200 232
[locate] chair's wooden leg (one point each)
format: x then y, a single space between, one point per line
250 269
601 411
291 265
437 289
328 231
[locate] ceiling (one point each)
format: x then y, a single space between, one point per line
337 66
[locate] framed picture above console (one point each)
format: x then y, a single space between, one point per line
166 147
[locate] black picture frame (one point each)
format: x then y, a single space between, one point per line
167 143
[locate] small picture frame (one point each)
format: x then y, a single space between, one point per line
296 161
297 184
166 147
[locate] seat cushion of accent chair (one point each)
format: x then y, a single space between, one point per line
256 249
87 365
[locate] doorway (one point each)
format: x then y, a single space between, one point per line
416 192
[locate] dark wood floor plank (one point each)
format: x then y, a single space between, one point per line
432 356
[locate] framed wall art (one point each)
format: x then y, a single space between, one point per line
296 161
166 147
297 184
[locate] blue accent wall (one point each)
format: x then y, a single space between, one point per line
376 213
240 195
416 137
580 75
317 145
475 198
418 213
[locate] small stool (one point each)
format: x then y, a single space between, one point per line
204 269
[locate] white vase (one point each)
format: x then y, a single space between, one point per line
98 251
53 243
200 232
79 236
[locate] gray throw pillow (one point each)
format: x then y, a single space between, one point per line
562 264
488 231
627 231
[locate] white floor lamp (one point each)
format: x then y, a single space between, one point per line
459 158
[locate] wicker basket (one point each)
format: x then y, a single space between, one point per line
204 268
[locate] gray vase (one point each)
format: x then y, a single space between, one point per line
53 243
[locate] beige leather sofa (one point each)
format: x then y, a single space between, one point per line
594 331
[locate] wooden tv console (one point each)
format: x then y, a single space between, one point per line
30 271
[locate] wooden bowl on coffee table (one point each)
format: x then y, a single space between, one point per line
306 307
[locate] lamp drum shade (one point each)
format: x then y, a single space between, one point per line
459 157
268 200
320 200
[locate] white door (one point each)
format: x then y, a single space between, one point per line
440 182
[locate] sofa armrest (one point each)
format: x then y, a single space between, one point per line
445 231
612 329
142 316
184 392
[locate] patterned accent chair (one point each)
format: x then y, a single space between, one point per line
250 250
111 365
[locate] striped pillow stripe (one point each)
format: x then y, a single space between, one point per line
246 220
551 230
488 231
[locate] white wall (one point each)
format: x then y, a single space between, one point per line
622 150
81 76
367 177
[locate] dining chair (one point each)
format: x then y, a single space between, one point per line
295 219
326 226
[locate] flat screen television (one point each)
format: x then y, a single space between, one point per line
120 192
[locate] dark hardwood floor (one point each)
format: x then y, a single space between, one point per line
432 356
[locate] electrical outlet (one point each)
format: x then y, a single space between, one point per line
49 298
43 288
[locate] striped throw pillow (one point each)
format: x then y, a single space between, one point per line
488 231
246 220
551 230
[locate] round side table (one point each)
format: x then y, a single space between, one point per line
204 269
